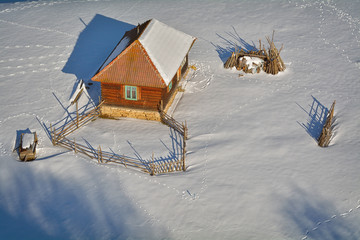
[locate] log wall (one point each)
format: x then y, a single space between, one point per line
148 98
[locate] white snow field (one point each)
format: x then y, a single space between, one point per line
254 168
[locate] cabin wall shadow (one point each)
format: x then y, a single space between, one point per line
93 46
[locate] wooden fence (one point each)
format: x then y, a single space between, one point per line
100 155
180 128
152 166
71 126
326 133
171 122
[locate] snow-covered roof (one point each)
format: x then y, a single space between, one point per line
166 47
163 48
27 140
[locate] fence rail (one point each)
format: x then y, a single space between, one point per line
180 128
80 121
152 167
171 122
102 156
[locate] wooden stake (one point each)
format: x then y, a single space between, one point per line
184 148
75 146
152 165
52 135
77 114
326 132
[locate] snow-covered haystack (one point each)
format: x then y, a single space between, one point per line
250 64
254 61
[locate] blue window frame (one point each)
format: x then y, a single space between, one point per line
170 86
130 93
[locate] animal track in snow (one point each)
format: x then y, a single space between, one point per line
34 65
332 218
39 70
36 46
33 58
36 4
327 10
200 79
37 28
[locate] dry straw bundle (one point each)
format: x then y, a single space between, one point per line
272 62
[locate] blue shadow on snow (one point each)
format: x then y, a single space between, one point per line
314 217
230 42
93 46
317 117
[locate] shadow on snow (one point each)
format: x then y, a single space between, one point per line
93 46
175 150
317 118
39 204
314 217
230 42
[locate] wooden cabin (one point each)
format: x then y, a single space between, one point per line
143 71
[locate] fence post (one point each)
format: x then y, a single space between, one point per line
326 133
77 115
52 135
184 147
152 165
75 146
100 159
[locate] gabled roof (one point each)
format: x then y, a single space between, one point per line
166 47
163 48
131 67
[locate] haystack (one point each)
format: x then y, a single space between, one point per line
253 61
273 62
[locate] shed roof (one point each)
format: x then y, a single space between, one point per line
164 47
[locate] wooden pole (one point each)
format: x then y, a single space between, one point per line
152 165
52 135
100 155
77 114
326 132
75 146
184 147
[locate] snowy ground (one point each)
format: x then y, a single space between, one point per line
255 170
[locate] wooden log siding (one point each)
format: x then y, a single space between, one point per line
166 94
111 93
148 97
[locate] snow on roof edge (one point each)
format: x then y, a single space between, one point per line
159 40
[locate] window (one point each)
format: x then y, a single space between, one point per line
170 86
130 93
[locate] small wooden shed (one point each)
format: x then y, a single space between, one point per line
143 70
